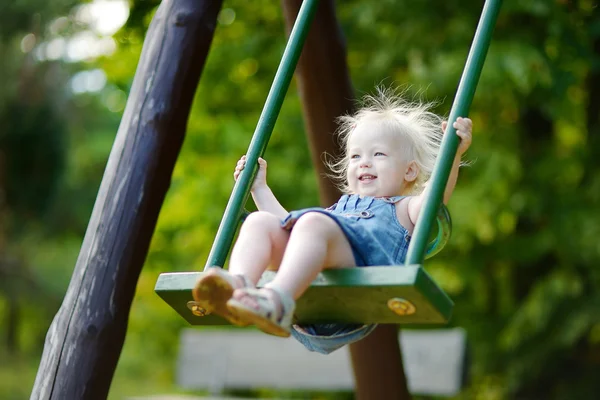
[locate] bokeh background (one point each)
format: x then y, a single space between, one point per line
523 265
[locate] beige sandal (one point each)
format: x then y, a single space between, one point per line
266 316
212 291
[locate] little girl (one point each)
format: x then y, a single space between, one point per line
389 153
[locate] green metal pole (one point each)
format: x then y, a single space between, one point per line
460 108
264 128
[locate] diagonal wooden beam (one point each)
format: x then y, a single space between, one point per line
85 339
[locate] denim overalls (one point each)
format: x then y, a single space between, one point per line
376 238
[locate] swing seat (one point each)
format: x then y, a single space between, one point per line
387 295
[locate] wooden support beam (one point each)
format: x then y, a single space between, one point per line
85 339
324 86
326 92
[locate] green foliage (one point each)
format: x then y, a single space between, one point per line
33 144
522 264
21 15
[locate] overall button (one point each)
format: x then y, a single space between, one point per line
366 214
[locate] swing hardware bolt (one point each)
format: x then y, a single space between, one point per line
196 309
401 306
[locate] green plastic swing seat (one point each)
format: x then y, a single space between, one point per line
388 294
392 295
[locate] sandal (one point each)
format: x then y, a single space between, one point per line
266 317
212 291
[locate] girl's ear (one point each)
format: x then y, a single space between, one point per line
412 170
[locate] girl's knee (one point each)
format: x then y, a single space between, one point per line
316 222
262 219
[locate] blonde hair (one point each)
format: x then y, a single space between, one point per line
413 121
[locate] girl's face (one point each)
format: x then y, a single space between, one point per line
377 163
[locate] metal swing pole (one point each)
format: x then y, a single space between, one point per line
262 133
450 141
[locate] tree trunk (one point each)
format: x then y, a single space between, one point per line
326 92
324 85
85 339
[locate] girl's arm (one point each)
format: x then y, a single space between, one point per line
265 200
261 193
464 128
452 178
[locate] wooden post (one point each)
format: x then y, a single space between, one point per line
324 85
326 92
85 339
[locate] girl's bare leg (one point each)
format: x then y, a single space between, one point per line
261 243
316 243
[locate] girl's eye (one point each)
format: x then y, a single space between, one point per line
354 156
379 154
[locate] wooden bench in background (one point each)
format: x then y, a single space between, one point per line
216 359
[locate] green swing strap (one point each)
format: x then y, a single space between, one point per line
450 141
379 294
262 133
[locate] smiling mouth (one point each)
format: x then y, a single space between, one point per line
367 178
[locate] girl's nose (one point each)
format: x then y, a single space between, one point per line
365 163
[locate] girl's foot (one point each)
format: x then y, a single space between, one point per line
270 309
215 288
